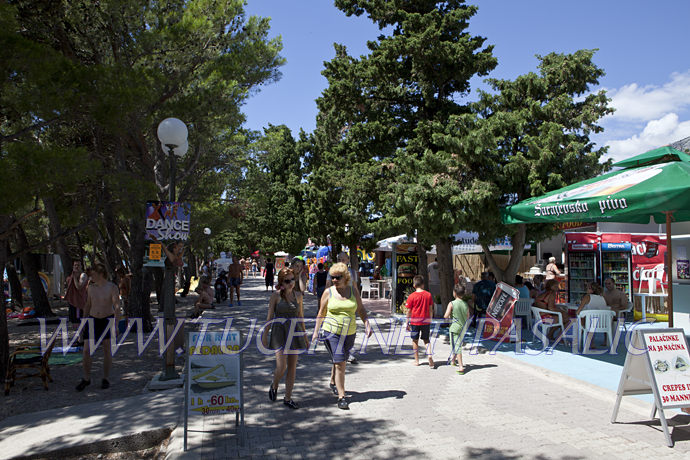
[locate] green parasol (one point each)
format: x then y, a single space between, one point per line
628 195
655 189
660 155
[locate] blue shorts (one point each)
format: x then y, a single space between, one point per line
338 346
423 329
235 281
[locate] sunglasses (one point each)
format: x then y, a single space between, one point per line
336 277
291 280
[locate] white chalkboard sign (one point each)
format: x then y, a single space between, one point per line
657 362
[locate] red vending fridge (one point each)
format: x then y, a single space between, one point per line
615 260
582 263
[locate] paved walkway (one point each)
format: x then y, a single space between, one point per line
501 408
133 423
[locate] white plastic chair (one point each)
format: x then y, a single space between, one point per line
370 290
622 314
651 277
387 289
596 321
522 308
536 319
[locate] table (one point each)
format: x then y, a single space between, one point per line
643 301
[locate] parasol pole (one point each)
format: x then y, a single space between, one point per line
669 266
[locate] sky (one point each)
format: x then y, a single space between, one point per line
643 46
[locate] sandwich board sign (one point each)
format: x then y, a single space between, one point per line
213 384
657 362
500 309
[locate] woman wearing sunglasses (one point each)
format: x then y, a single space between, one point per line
337 315
288 337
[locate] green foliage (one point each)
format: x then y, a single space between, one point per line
269 200
404 93
532 136
85 84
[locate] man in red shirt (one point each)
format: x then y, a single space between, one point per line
418 306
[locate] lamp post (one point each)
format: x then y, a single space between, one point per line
173 136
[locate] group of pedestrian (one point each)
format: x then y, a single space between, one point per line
339 303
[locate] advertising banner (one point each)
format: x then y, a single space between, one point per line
407 261
648 254
214 373
167 221
657 362
279 264
501 309
670 361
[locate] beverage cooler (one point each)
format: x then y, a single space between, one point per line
616 261
582 263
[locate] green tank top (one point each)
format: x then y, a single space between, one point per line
459 316
340 318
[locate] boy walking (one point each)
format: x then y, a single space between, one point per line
418 306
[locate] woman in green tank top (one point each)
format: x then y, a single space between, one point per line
457 310
337 315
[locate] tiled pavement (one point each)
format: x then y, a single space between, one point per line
501 408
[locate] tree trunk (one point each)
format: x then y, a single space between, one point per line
139 296
110 226
423 268
354 261
55 228
518 243
444 257
15 284
82 254
30 262
5 222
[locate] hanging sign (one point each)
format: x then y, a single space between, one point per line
155 251
167 221
657 362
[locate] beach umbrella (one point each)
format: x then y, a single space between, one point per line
649 186
323 252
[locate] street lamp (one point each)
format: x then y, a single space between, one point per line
173 136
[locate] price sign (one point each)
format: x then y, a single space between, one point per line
657 362
213 385
155 251
668 356
214 373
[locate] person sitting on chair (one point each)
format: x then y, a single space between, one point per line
615 298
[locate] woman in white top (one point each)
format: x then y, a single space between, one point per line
593 300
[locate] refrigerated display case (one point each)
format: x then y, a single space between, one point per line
582 263
582 270
615 263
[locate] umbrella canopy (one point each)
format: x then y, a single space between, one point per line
628 195
387 244
660 155
280 254
323 251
